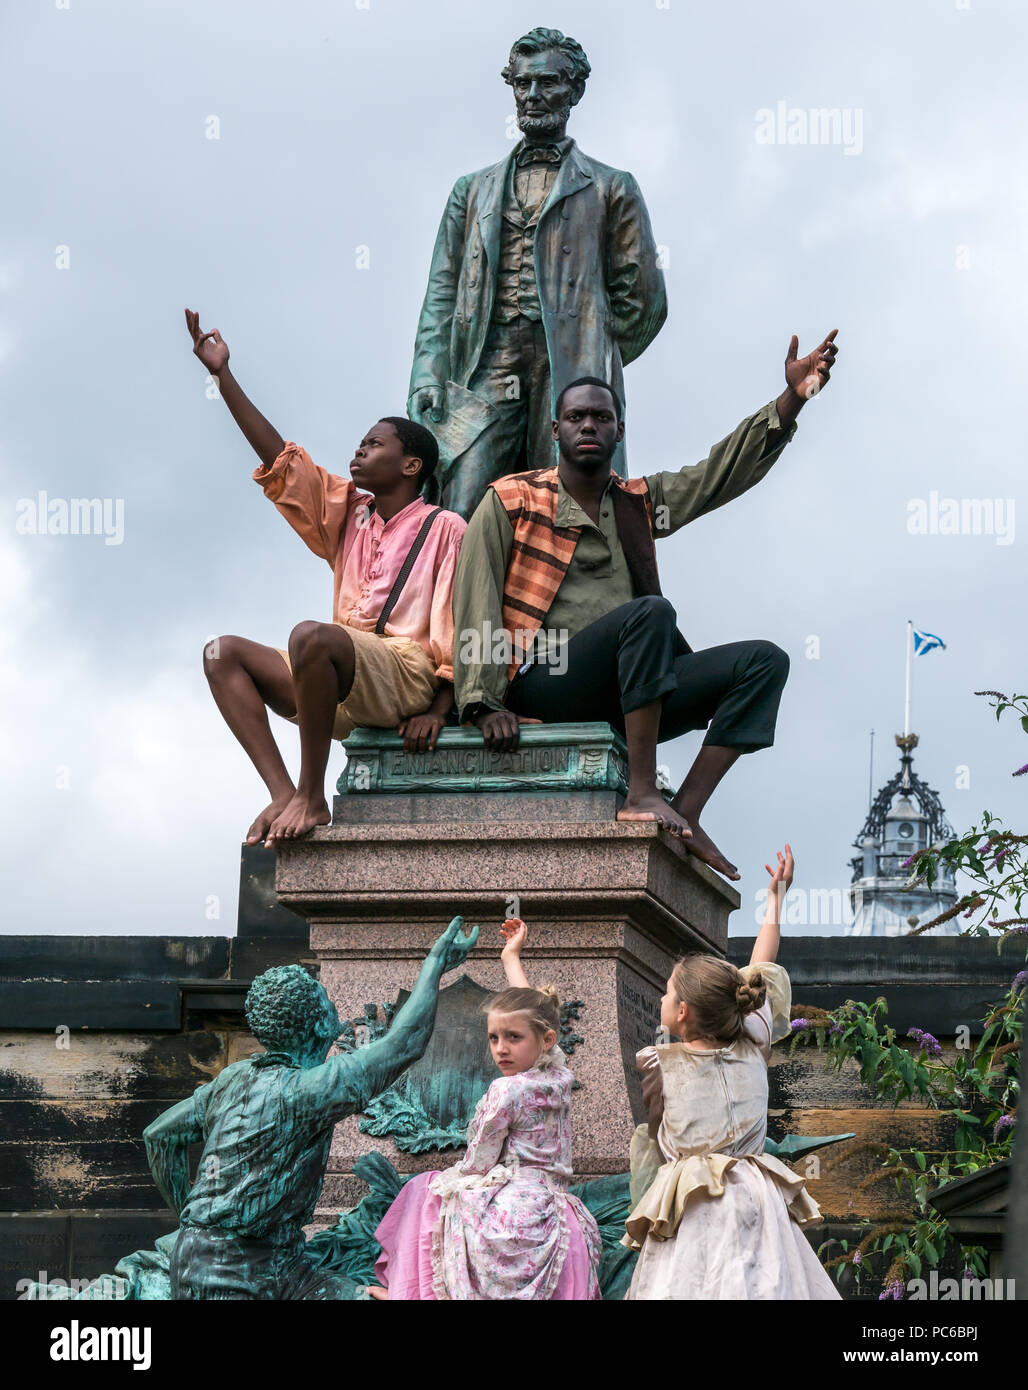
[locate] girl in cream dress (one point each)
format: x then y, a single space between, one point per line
713 1216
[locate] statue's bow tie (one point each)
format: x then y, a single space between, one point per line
539 154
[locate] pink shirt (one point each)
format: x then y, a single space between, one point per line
366 553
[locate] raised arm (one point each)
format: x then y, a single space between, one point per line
167 1141
212 350
804 376
516 934
745 456
346 1083
765 948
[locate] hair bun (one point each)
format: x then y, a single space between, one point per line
552 993
750 994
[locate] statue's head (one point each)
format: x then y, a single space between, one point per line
548 72
288 1012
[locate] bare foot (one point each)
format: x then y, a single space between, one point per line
374 1292
704 848
302 814
652 806
267 817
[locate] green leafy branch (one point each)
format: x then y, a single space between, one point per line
975 1090
994 859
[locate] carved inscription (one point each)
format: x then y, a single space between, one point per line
477 762
638 1021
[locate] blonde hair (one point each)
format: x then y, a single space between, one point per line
541 1005
717 994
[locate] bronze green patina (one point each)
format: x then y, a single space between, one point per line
550 757
342 1257
266 1127
544 270
429 1108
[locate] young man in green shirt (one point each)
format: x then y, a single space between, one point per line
561 561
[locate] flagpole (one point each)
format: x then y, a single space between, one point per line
871 775
906 702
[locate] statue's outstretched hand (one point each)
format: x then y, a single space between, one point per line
453 946
807 375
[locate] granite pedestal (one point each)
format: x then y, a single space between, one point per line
416 839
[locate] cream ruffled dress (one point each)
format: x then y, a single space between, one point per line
713 1216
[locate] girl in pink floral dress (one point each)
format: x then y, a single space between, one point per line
501 1223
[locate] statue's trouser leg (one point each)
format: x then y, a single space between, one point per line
540 445
513 375
211 1264
625 660
318 1287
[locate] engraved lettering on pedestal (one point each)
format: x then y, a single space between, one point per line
478 761
638 1020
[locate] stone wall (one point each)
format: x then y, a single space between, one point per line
98 1035
938 984
150 1018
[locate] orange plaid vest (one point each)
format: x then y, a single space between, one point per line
542 551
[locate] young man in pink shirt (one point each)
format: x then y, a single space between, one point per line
386 659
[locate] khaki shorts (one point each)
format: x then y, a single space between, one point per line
392 679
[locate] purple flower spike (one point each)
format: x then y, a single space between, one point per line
1019 981
907 862
1004 1122
1020 771
836 1028
799 1024
894 1289
858 1258
926 1041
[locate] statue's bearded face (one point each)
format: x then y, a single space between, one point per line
543 93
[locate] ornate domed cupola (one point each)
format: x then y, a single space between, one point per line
905 817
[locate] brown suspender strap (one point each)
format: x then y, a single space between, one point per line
633 527
405 569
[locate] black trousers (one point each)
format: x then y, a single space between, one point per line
626 659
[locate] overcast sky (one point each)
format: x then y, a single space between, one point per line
343 126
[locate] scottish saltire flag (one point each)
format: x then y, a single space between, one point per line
926 642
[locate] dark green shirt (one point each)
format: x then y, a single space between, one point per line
597 579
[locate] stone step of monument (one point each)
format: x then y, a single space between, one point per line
481 807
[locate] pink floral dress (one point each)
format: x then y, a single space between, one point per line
500 1224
